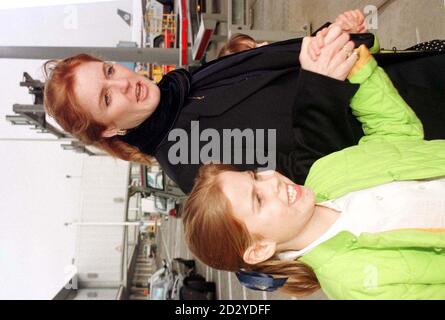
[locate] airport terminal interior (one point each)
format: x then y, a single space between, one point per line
129 239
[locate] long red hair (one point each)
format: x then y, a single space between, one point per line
219 240
60 103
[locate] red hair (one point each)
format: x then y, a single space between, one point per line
60 103
237 43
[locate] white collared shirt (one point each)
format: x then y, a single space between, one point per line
392 206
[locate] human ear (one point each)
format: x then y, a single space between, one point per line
259 251
109 132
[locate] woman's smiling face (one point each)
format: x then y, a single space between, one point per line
269 204
115 95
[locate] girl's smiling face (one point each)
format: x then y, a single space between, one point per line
269 204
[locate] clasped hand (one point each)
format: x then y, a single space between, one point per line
331 53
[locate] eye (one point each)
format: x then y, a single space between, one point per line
107 98
258 196
110 71
259 199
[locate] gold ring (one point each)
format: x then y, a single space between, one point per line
348 51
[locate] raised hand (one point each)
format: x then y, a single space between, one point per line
336 58
352 21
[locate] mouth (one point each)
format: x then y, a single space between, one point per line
140 92
294 193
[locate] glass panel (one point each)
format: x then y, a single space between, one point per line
154 178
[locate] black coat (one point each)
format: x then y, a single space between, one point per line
309 112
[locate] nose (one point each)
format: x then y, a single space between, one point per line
269 183
122 84
265 173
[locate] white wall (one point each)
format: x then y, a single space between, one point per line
402 23
96 294
104 190
93 24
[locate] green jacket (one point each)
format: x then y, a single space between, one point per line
392 149
387 265
405 264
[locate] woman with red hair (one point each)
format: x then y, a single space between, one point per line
306 104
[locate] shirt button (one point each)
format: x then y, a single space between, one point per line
422 187
380 198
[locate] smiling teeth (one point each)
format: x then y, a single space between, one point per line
292 194
138 91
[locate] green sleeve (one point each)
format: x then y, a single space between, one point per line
376 47
392 274
384 115
394 291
